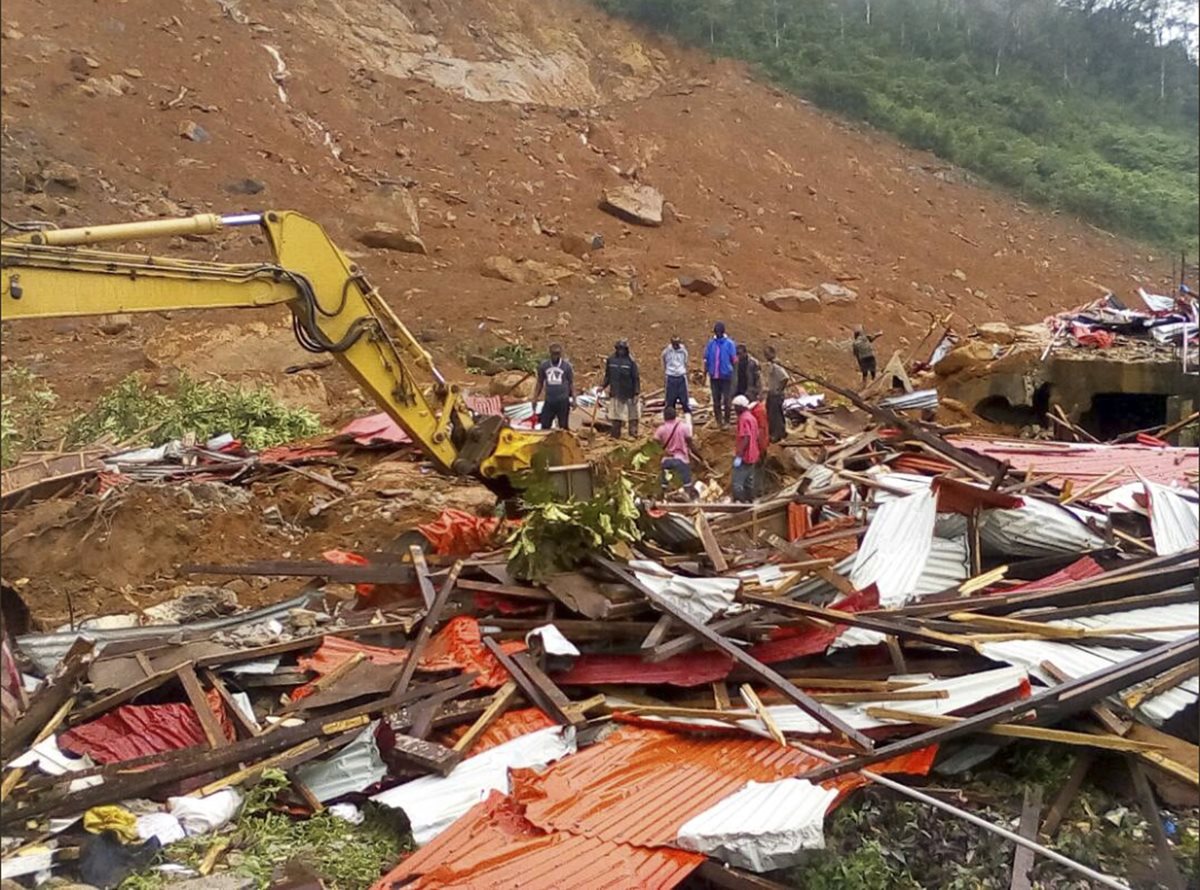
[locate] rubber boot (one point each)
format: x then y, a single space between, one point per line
616 429
633 429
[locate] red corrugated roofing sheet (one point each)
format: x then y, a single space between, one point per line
485 405
638 786
507 727
135 731
457 646
1079 570
689 669
493 845
1083 463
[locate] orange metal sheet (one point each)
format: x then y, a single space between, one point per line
457 646
493 845
507 727
639 785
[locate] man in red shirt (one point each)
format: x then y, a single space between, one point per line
759 410
675 436
746 451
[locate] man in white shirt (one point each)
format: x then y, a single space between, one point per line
675 364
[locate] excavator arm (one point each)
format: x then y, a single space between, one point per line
59 272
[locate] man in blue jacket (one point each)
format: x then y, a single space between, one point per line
720 356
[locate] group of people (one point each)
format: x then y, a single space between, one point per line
744 390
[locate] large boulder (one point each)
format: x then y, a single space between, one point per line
702 280
791 299
996 332
524 271
385 236
972 354
639 204
836 294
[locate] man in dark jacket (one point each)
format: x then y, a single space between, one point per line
556 379
624 385
748 374
864 352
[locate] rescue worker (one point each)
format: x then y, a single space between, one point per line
746 451
624 385
675 366
556 379
675 436
864 352
776 380
748 374
720 356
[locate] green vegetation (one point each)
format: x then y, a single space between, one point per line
509 357
27 398
131 410
1088 106
261 840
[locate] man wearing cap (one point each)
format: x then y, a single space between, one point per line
746 452
720 356
556 379
624 385
675 365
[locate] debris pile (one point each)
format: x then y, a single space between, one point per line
683 695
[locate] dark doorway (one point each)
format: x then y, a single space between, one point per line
1114 413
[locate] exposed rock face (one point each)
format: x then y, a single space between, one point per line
836 295
388 237
791 299
639 204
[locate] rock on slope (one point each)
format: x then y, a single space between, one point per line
493 130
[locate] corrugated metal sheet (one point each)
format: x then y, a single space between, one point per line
1038 529
912 401
640 786
1174 521
688 669
1083 463
896 547
508 726
700 598
355 768
45 650
495 846
764 826
1080 570
1076 660
433 802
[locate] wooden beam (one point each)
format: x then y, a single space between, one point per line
766 674
1067 793
1102 712
244 726
46 702
538 688
763 715
499 703
209 723
1016 731
711 547
14 775
1167 871
428 625
1023 858
121 696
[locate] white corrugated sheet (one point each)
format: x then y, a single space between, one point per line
763 826
1077 660
896 547
1038 529
1174 521
699 598
433 802
356 767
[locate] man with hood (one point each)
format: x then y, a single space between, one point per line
748 377
675 366
720 357
624 385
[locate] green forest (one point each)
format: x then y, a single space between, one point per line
1086 106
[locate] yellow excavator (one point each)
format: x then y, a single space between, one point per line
49 273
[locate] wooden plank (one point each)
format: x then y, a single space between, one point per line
537 686
1102 712
1050 705
513 590
500 701
763 715
721 695
1167 871
243 726
120 697
769 676
423 581
209 723
1169 680
1016 731
1023 858
428 625
46 702
711 548
13 777
284 760
1067 793
657 632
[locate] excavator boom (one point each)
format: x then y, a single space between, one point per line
59 272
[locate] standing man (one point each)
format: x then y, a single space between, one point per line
748 375
675 436
675 365
746 451
719 358
624 385
556 379
777 380
864 352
